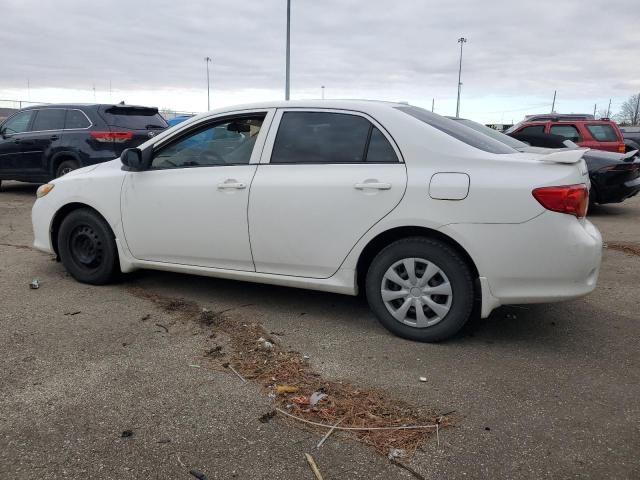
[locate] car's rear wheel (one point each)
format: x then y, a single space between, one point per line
87 247
420 289
66 167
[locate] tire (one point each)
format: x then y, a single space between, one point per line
452 304
87 247
66 166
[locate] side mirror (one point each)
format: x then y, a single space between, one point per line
132 159
3 132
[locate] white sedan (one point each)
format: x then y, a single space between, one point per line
428 217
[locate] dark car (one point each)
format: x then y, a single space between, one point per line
614 176
44 142
631 137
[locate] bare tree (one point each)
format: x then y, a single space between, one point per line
630 111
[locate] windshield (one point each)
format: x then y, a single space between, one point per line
134 118
499 136
456 130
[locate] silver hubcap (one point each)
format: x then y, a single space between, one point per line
416 292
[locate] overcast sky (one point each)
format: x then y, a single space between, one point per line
153 52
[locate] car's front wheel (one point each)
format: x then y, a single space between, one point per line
420 289
87 247
66 167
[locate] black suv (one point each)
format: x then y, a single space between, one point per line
44 142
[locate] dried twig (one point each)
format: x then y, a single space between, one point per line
408 469
335 427
328 433
236 372
162 326
314 467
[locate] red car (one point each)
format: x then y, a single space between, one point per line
601 134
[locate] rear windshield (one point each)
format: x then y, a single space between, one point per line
495 134
134 118
603 133
457 130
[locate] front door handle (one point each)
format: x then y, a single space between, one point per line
17 140
231 183
372 184
54 137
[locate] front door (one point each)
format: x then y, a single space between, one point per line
330 176
190 207
12 142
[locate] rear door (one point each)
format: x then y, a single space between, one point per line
568 131
43 140
326 177
131 125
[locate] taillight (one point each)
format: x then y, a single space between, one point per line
571 199
630 167
117 137
621 148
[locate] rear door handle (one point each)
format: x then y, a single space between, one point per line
54 137
231 184
374 185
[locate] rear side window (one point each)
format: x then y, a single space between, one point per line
532 130
457 130
318 137
603 133
49 119
76 119
380 150
134 118
567 131
18 123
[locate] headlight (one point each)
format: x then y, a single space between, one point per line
44 189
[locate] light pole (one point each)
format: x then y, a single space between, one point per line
461 41
288 60
322 88
207 61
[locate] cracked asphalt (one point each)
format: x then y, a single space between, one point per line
540 391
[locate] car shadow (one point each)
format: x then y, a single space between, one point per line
19 188
534 325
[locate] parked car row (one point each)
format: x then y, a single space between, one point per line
40 143
614 176
431 219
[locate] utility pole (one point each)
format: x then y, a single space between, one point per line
28 90
553 105
94 92
288 55
322 88
207 61
461 41
609 109
635 114
595 107
433 104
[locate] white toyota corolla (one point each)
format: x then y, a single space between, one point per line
425 215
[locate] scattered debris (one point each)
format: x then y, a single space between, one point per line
423 379
162 326
35 284
198 474
306 357
144 318
314 467
164 440
266 344
368 414
282 389
126 434
628 248
487 429
407 468
396 453
194 366
266 417
215 352
73 313
316 397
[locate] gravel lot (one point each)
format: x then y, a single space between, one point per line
546 391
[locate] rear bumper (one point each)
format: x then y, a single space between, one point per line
551 258
617 193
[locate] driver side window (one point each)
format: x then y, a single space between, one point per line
227 142
18 123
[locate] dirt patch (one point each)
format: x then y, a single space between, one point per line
257 356
629 248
